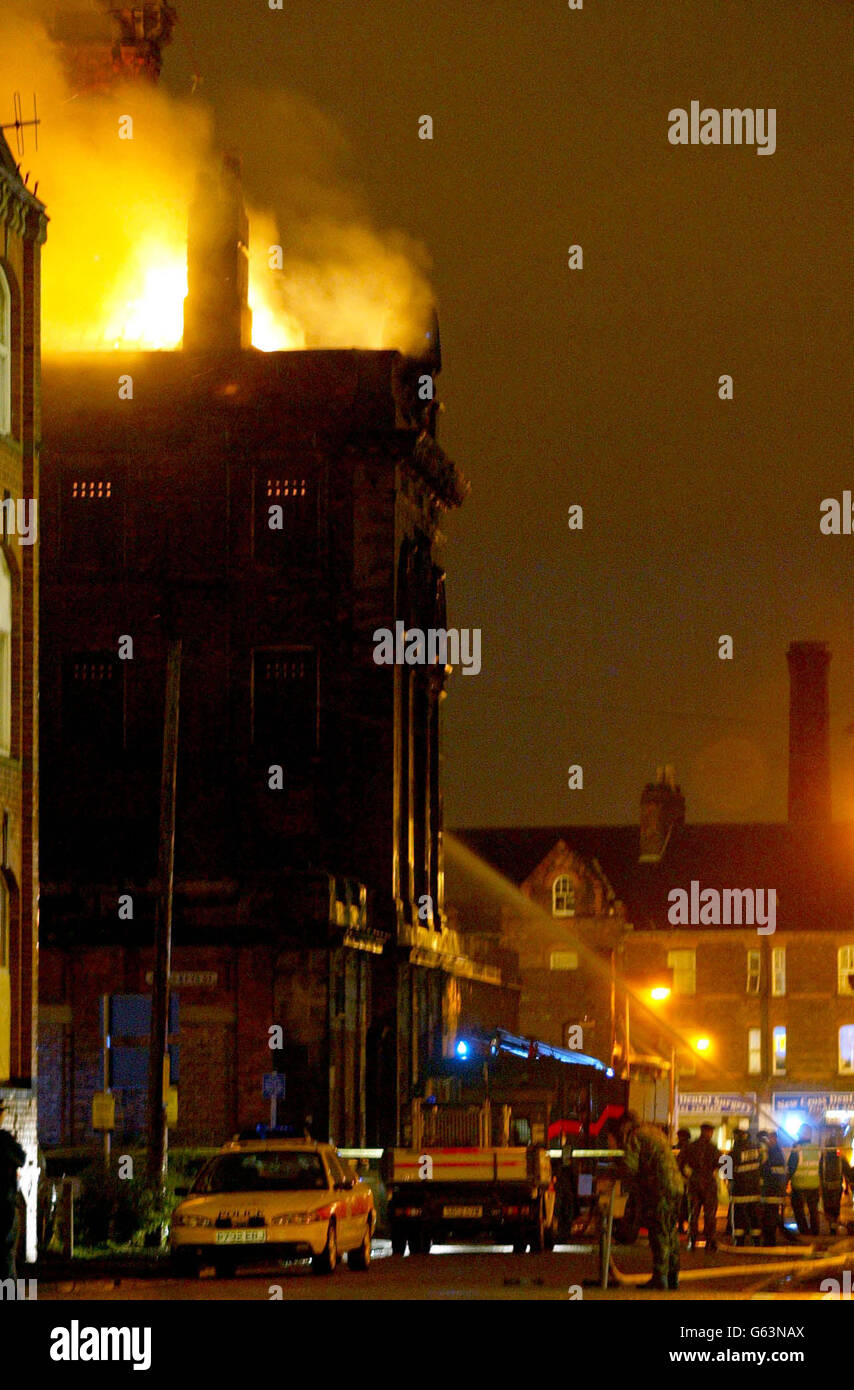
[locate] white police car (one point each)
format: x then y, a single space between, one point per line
270 1198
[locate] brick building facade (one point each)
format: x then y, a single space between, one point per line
271 511
24 226
770 1002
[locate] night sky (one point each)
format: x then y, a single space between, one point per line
599 387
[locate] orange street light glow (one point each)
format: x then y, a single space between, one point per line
703 1044
660 992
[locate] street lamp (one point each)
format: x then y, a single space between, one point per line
702 1044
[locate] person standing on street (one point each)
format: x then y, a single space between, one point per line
683 1139
773 1179
830 1178
744 1188
701 1165
805 1177
12 1157
651 1168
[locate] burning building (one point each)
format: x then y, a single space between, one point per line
24 228
270 510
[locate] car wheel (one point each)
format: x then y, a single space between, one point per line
185 1264
519 1247
326 1262
360 1258
225 1268
398 1240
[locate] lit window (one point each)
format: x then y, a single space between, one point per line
846 970
92 521
5 656
684 967
779 1051
846 1049
754 1051
563 897
5 356
754 970
778 970
563 960
285 517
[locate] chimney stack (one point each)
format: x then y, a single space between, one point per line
662 810
217 317
809 733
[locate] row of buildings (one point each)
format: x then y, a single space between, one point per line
721 955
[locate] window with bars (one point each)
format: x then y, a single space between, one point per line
683 963
285 517
754 1051
563 897
92 521
284 704
778 970
754 971
93 702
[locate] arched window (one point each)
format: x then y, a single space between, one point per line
563 897
5 355
5 656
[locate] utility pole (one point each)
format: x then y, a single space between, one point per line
158 1047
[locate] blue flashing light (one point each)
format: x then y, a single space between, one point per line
609 1071
792 1123
462 1048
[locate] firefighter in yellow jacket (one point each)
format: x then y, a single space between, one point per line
805 1178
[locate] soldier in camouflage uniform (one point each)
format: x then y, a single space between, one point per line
651 1168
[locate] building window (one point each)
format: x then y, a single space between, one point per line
5 657
754 971
285 517
5 356
92 522
284 704
846 969
93 703
846 1049
754 1051
779 1051
4 923
563 960
684 967
563 897
778 970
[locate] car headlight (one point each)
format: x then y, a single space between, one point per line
179 1220
295 1218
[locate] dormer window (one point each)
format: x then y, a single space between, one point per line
563 897
5 356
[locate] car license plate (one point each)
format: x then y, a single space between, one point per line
462 1211
240 1237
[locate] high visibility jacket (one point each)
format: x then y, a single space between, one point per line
745 1173
773 1174
804 1163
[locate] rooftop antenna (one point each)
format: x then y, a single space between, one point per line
19 123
